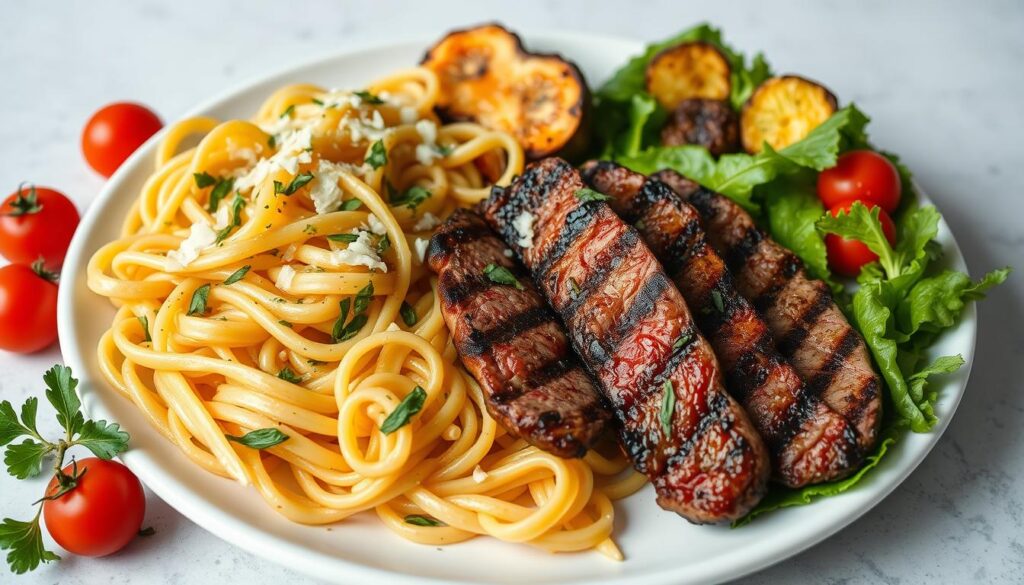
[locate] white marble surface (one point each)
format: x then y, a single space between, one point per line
942 81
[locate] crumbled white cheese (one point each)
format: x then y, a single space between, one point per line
249 155
507 252
289 253
426 154
285 277
421 245
427 130
523 223
200 237
361 252
376 225
222 217
325 192
429 221
479 475
294 150
409 115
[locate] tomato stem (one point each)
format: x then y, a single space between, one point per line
25 205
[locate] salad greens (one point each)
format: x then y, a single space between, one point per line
904 300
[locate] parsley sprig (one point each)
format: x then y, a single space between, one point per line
23 539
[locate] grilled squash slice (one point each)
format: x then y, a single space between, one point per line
686 71
486 76
784 110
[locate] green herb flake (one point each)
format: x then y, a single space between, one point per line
237 205
345 238
717 301
297 183
574 288
203 180
351 205
288 112
288 375
219 192
683 341
284 323
501 275
408 314
412 197
238 274
586 195
403 413
198 304
260 438
369 98
421 520
144 321
668 406
378 155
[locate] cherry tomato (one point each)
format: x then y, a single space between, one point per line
846 257
861 175
28 308
116 131
36 222
101 513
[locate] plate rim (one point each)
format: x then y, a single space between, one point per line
296 557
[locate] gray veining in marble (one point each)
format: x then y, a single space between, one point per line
942 80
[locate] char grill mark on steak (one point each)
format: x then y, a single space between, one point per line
809 441
624 315
811 330
512 342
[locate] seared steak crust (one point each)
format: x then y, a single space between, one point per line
512 342
634 332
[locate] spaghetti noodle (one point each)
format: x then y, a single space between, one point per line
272 278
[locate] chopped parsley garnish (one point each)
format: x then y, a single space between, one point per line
237 204
309 229
668 406
403 413
197 306
421 520
272 141
288 112
204 179
412 197
716 299
378 155
574 287
351 205
288 375
144 321
284 323
347 238
297 183
220 191
318 102
501 275
343 328
682 342
238 275
260 438
370 98
586 194
383 244
408 314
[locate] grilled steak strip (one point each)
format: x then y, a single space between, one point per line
512 343
809 328
632 329
809 441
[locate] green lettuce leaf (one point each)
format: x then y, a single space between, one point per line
935 303
780 497
791 208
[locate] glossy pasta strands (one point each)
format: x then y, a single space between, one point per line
305 227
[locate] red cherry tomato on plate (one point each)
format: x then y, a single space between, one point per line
36 222
28 308
101 513
116 131
861 175
846 257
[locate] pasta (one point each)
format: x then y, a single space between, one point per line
272 277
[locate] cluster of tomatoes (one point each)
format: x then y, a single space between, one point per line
36 225
867 177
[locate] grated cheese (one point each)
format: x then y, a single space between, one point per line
200 237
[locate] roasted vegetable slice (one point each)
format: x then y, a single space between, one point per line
688 70
487 77
783 110
709 123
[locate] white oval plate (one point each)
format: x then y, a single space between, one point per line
659 546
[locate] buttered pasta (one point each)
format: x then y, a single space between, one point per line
271 279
